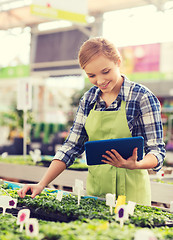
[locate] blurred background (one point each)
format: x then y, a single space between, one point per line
40 78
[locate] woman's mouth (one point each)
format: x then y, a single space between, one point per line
103 86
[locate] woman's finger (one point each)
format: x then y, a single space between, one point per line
22 192
116 154
34 193
107 157
135 153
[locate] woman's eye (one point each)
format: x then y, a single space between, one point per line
91 76
106 72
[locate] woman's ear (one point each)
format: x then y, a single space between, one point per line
119 62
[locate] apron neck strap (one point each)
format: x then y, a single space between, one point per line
95 104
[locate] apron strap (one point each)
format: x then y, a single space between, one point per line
95 104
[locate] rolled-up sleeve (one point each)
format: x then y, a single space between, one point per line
151 127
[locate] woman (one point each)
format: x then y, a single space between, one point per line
113 108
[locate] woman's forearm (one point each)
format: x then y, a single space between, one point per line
149 161
56 167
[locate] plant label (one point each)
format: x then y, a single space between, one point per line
122 214
131 207
32 227
35 155
78 189
110 201
1 181
59 195
23 217
144 234
4 154
160 174
120 201
7 202
79 184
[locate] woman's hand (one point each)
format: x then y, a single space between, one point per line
115 159
35 189
55 168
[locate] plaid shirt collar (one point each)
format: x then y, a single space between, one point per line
123 94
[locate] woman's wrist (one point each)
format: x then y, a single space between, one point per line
41 185
140 165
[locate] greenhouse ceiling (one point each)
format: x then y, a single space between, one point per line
16 13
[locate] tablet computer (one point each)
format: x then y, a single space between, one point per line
124 146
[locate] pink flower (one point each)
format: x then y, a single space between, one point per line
22 217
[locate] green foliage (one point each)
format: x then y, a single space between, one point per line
77 230
78 165
91 208
162 181
88 208
145 216
17 159
94 220
14 118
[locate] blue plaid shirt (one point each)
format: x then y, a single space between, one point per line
143 117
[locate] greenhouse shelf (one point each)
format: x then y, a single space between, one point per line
162 189
28 173
161 192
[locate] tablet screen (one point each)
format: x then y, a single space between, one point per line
124 146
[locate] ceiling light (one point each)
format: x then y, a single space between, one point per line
53 25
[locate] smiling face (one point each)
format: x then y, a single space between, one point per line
104 73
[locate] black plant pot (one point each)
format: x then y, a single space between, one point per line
18 146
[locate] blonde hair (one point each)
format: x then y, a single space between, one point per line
97 46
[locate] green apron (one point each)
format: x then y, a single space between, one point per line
105 178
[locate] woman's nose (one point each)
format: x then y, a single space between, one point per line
100 80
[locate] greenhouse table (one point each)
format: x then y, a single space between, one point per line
160 192
34 174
